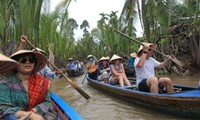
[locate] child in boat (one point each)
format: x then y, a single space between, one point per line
92 65
24 91
117 70
104 69
145 73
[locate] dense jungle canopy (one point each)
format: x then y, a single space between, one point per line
172 24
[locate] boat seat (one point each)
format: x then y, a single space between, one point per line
191 93
133 87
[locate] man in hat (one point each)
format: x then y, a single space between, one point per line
46 71
145 66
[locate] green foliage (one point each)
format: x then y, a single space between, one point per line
164 42
56 30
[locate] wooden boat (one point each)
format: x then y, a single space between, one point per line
65 111
185 103
72 73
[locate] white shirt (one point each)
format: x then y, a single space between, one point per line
147 70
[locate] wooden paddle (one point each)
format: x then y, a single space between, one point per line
173 59
73 84
84 78
86 73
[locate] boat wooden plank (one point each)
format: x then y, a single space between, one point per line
189 93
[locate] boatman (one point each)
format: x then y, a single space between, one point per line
145 66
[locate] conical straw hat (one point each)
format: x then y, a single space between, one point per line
104 58
134 54
146 44
70 59
115 57
41 59
108 57
90 56
7 64
40 50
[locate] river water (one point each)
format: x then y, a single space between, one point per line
103 106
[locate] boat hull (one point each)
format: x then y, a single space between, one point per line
67 111
185 103
73 73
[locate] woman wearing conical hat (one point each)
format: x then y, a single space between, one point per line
145 73
24 91
92 65
104 69
118 73
46 71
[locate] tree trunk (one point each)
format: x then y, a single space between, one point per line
195 47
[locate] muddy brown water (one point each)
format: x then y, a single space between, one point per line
103 106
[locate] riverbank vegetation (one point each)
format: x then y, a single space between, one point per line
172 24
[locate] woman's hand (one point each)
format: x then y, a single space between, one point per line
23 38
35 116
168 57
121 71
59 71
19 114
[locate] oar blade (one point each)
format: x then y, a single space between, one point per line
179 63
75 86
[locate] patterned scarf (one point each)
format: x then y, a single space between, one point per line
37 89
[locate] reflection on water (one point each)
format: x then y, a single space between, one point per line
103 106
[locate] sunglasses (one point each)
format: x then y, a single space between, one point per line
25 59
